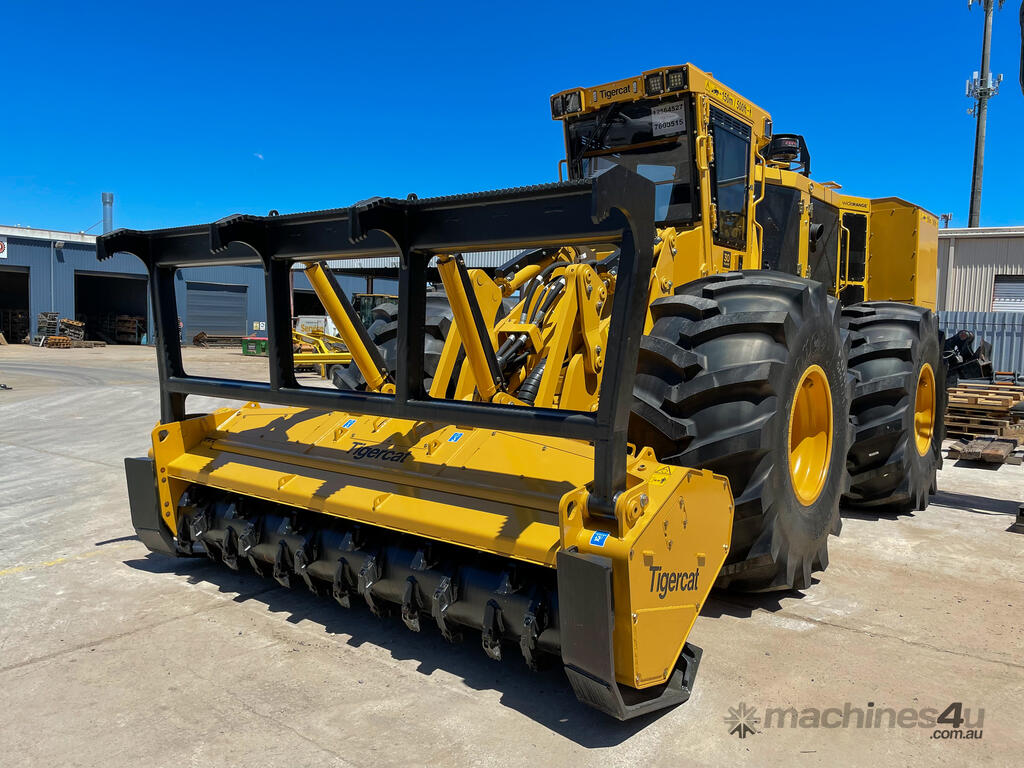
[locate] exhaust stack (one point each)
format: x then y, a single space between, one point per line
108 212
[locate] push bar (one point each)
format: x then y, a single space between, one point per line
614 207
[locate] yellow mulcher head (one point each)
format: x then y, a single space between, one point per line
504 500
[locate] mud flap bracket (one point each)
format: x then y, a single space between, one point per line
586 622
145 506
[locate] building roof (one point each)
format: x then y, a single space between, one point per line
47 234
476 260
982 232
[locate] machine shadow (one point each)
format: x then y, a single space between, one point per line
742 605
543 696
981 505
849 513
971 464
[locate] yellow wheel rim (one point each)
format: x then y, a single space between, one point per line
810 435
924 409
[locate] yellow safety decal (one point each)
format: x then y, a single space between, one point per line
728 98
663 474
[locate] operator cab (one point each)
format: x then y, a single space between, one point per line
650 125
651 138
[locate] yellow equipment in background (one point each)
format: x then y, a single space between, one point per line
319 351
654 396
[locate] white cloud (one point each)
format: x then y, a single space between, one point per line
258 155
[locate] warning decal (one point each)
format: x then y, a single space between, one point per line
661 476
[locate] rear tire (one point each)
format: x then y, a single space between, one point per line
715 389
895 454
384 334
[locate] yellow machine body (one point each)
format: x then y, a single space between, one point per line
903 260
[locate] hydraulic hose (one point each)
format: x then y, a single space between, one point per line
528 389
536 283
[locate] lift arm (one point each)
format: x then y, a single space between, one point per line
473 331
364 352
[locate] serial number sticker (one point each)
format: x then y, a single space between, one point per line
598 539
348 423
456 436
668 119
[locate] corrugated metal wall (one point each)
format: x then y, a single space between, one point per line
58 295
34 253
250 277
1003 330
349 283
1008 293
216 309
978 256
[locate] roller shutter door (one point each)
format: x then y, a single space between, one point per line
217 309
1008 293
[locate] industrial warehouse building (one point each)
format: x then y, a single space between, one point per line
981 270
47 271
51 271
981 289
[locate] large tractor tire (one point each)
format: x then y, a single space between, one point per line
745 374
898 407
384 333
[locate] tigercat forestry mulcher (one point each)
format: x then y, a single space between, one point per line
697 352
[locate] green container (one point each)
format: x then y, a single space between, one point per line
254 346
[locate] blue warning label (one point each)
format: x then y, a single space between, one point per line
598 539
348 423
456 436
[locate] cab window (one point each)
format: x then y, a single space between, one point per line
730 173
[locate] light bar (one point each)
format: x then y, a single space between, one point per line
654 85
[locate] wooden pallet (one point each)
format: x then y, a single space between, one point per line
991 420
985 411
73 329
963 433
988 403
990 450
58 342
989 385
985 396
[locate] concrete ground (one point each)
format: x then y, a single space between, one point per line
112 656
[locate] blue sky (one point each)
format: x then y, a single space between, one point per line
192 111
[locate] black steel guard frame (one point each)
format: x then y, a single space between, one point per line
615 207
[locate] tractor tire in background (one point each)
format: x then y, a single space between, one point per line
745 374
899 405
384 333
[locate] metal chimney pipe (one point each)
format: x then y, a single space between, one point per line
108 212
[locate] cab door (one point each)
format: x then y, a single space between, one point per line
731 189
852 273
